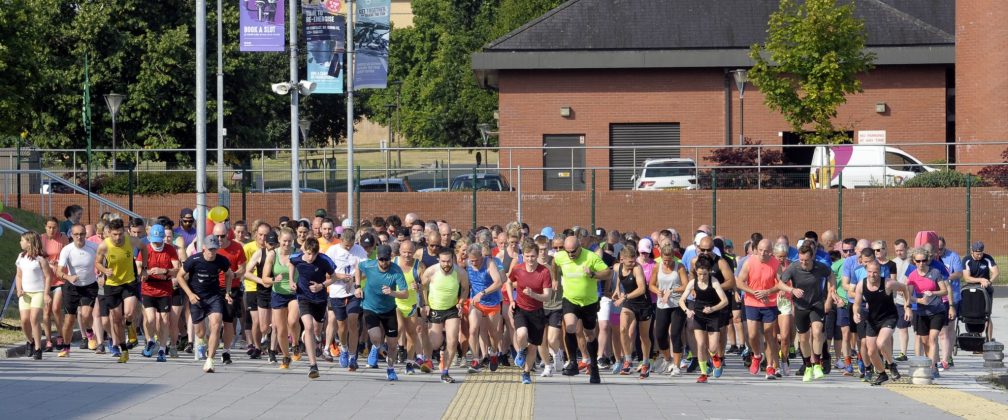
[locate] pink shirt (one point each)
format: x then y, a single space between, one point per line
762 276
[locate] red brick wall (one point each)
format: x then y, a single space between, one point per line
530 103
981 85
871 213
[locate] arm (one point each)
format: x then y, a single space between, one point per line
726 272
994 273
641 287
47 273
250 268
267 278
857 301
683 275
509 287
682 300
401 290
17 283
184 284
722 298
495 275
653 281
100 263
743 279
463 278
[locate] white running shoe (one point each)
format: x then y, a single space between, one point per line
208 366
547 371
669 367
676 371
558 361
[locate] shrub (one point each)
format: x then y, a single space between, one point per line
149 183
997 174
745 174
943 179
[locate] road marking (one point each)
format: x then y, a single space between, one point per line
496 395
956 403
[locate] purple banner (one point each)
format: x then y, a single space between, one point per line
262 25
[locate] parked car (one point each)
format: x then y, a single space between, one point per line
862 166
378 185
287 190
433 189
667 174
484 182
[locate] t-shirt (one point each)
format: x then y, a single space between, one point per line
935 265
928 282
119 259
250 249
52 247
811 282
837 267
32 275
80 262
64 226
374 300
981 268
953 264
236 256
762 276
309 273
324 244
204 275
578 287
537 280
188 236
159 285
480 280
346 262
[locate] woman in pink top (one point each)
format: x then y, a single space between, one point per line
52 243
927 286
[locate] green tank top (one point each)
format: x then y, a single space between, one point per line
406 305
444 290
281 277
119 259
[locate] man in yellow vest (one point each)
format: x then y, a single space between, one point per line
115 260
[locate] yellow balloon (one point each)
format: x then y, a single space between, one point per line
218 214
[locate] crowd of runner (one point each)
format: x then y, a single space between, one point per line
421 296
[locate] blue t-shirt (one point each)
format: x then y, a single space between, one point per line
480 280
312 272
953 264
823 258
792 254
861 273
374 300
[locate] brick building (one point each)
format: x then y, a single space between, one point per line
657 72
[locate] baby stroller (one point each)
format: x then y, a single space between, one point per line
974 313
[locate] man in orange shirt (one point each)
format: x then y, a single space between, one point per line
759 279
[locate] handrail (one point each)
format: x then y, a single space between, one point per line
78 189
16 228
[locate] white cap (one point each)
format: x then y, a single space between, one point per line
698 237
347 223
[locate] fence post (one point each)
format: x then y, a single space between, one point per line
129 183
474 199
969 226
356 192
839 210
714 200
244 188
593 202
519 192
759 167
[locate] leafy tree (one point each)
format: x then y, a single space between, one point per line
816 51
741 167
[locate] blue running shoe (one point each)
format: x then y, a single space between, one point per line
344 359
353 364
115 351
861 367
148 350
372 358
161 356
718 371
391 374
520 358
201 351
526 378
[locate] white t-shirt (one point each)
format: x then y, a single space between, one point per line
346 263
80 262
32 277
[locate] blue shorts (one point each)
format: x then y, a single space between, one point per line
764 315
206 306
843 317
278 301
344 306
901 322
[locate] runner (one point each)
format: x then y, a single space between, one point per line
382 282
725 276
758 279
315 272
635 309
811 283
187 228
233 308
708 300
200 280
257 296
156 290
279 275
53 242
552 310
881 319
581 270
484 307
344 304
408 315
668 282
927 286
902 262
80 288
443 284
32 283
533 285
785 319
114 259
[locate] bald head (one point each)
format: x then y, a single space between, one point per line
828 238
764 249
410 218
571 245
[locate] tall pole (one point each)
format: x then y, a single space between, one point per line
349 110
221 198
292 46
200 121
113 143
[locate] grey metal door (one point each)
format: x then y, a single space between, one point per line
565 154
661 140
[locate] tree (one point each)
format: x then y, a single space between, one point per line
741 170
816 51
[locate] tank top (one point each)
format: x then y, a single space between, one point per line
648 268
880 304
281 278
715 271
669 281
704 297
427 259
444 290
407 304
628 284
480 280
119 259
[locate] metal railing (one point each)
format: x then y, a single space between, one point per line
18 229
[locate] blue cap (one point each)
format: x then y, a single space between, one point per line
547 232
157 234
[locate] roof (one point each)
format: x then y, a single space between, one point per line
702 33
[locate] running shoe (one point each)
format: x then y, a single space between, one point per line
582 365
826 361
717 361
526 378
271 358
840 364
493 363
801 370
344 359
285 363
49 346
401 355
558 362
817 371
148 350
901 358
446 378
702 379
100 350
226 358
249 350
645 371
934 373
372 358
693 365
894 372
334 349
426 366
313 372
771 373
161 356
474 367
64 352
861 367
295 353
131 334
785 369
570 369
172 352
520 358
676 371
718 371
733 349
626 368
950 364
754 367
353 364
880 379
807 377
593 374
391 375
603 363
668 367
208 366
547 371
184 344
115 352
92 341
848 370
791 352
410 370
37 354
201 351
503 359
326 356
188 348
941 366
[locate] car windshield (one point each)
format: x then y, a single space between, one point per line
492 184
665 169
376 187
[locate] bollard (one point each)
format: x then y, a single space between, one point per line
993 355
920 370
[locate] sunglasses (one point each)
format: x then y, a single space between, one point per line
879 249
221 236
557 248
920 261
846 250
384 259
704 249
77 234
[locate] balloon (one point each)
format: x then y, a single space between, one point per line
218 214
7 217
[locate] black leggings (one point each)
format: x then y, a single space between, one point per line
667 319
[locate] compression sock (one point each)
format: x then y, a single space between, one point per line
593 352
570 339
807 361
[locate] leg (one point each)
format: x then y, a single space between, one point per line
626 335
215 326
645 337
309 324
453 328
818 339
280 322
678 324
871 347
755 335
474 330
884 344
771 343
353 333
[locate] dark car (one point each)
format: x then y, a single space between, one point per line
484 182
378 185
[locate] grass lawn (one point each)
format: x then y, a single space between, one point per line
1002 263
9 336
10 244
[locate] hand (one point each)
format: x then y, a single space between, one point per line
798 293
108 272
193 299
358 293
513 305
424 312
72 279
386 290
706 309
952 313
588 271
927 293
857 317
760 294
227 298
907 314
316 287
46 299
478 297
985 283
689 313
101 281
527 291
20 292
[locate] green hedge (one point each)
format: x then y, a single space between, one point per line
943 179
151 183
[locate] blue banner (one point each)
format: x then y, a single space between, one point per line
262 25
371 43
326 38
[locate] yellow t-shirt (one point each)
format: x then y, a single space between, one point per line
578 287
250 250
119 259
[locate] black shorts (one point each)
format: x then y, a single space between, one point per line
873 328
162 304
805 317
924 324
263 297
178 298
103 309
736 301
344 306
440 316
116 295
705 322
588 315
76 296
534 323
554 318
317 310
279 301
386 321
862 327
251 301
641 312
725 314
901 321
234 309
205 306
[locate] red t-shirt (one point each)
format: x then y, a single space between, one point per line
236 255
158 285
537 280
762 276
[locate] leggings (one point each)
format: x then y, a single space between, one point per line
666 319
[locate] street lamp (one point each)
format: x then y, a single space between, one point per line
398 85
391 108
741 77
114 101
486 130
305 88
305 125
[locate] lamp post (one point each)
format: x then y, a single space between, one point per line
741 77
486 130
114 101
305 125
391 108
398 85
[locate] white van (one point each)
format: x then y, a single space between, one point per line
667 174
862 166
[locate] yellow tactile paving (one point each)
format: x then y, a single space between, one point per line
493 395
956 403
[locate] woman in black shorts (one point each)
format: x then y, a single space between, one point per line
881 321
635 309
708 299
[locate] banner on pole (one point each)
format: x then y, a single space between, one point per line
371 43
326 38
262 25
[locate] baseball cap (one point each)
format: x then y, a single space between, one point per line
185 212
211 242
338 230
547 232
157 234
601 233
320 213
347 223
728 243
644 245
698 237
384 252
272 238
977 246
367 240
